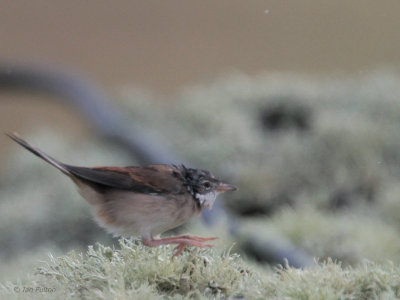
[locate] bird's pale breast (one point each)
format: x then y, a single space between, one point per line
129 213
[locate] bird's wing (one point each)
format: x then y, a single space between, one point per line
149 179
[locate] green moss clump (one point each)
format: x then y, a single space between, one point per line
329 280
134 268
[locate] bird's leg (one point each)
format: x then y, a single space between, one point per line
191 237
174 240
182 241
178 250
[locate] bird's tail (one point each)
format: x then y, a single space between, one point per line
39 153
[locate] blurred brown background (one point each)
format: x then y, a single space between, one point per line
164 45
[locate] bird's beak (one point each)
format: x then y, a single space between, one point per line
224 187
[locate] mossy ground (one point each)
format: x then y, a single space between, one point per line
136 272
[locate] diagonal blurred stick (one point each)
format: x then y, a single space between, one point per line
89 100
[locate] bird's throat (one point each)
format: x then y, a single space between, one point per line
206 200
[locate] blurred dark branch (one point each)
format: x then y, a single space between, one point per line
88 99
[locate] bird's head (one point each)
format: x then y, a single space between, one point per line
204 186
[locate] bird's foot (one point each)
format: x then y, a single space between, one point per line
182 241
190 237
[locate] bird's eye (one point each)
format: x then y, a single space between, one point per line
207 184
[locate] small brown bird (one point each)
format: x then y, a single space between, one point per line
145 201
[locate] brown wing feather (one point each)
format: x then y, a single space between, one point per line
149 179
